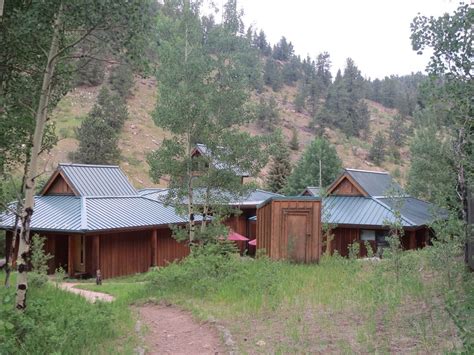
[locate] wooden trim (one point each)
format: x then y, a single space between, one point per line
53 178
154 247
70 256
345 175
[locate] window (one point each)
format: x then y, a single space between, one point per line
366 234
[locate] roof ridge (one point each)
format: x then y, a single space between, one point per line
391 210
367 171
88 165
83 213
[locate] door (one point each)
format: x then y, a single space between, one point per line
297 231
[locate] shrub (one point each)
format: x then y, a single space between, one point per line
39 262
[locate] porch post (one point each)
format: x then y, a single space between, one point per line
70 256
95 254
154 247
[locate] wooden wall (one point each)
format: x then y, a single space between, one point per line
59 187
342 238
124 253
346 188
168 249
290 229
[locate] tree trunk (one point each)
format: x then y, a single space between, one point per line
28 207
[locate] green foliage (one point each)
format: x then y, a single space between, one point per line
280 167
344 107
283 50
99 132
307 172
39 261
59 276
397 131
354 250
89 72
272 74
300 98
377 150
54 322
368 248
268 114
121 80
294 142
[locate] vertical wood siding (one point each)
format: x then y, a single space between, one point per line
290 229
169 249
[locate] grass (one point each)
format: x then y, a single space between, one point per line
63 323
339 305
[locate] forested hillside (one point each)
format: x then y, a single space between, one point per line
292 104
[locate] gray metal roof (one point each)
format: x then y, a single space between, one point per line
375 183
252 198
418 211
98 180
358 210
88 214
312 191
204 150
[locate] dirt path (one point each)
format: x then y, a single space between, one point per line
91 296
172 331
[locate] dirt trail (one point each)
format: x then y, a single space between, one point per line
172 331
91 296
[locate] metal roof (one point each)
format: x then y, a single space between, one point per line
88 214
252 198
98 180
418 211
312 190
375 183
288 198
358 210
204 150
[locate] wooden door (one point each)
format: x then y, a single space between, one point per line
297 229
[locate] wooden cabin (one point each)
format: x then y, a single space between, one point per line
361 205
290 228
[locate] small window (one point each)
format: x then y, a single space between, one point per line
368 235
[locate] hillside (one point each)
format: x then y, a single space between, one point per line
140 135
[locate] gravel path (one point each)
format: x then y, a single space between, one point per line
91 296
173 331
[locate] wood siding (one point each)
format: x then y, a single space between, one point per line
124 253
346 188
168 249
290 229
59 187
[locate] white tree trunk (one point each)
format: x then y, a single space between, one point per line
28 207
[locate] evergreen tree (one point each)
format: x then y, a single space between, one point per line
291 70
280 166
300 98
283 50
294 142
111 108
260 41
121 80
267 113
272 74
377 151
319 162
397 131
98 142
90 72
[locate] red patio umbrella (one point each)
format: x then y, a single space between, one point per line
253 242
237 237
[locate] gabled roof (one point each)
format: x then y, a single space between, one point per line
369 183
418 211
205 151
91 214
94 180
311 191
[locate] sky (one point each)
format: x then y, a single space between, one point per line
374 33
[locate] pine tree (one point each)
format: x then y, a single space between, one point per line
272 74
280 167
319 162
397 131
111 108
377 151
121 80
294 142
267 113
300 98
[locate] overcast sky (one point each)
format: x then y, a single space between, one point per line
375 33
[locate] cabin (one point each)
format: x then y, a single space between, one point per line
360 205
94 219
